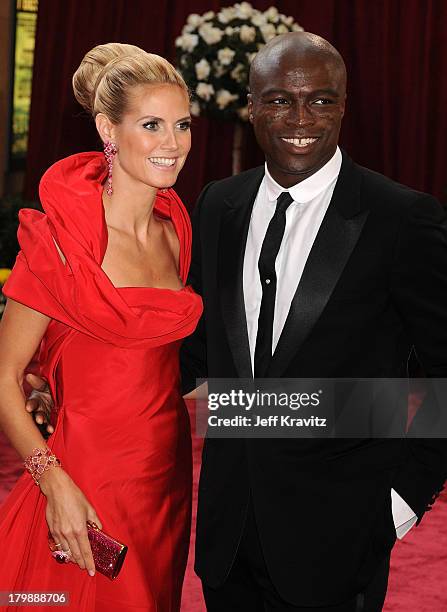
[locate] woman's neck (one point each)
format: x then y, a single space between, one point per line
130 208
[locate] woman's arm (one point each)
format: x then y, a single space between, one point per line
21 331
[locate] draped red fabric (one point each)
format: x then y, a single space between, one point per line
395 51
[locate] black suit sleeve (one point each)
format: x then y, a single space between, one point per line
193 357
419 288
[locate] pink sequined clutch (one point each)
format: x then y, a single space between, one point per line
108 553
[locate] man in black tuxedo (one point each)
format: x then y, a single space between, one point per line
339 272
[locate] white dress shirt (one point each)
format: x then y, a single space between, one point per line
304 216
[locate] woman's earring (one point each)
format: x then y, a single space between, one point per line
109 153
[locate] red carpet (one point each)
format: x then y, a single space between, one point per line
418 577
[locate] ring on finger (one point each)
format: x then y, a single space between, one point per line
53 545
62 556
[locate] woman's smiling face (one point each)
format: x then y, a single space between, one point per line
154 136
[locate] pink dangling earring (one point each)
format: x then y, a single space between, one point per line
109 153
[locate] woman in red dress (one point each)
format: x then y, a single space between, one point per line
99 289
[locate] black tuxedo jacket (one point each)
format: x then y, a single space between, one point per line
374 286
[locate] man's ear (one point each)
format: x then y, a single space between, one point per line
250 107
105 127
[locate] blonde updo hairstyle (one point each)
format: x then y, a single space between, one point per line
105 76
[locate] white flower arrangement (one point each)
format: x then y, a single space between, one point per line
215 50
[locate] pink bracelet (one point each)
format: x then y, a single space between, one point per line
40 461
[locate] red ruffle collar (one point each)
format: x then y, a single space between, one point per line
79 293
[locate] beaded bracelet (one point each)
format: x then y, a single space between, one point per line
39 461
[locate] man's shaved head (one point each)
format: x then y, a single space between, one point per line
296 104
295 46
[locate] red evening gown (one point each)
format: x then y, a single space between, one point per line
122 431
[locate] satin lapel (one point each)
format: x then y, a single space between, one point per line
335 241
233 238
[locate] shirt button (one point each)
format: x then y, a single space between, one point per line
267 281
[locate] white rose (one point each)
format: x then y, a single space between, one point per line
244 10
209 34
187 29
189 42
243 113
229 30
268 31
247 34
179 41
195 108
282 29
297 28
209 15
224 97
238 72
204 91
226 14
287 20
202 69
225 56
194 20
258 19
272 14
